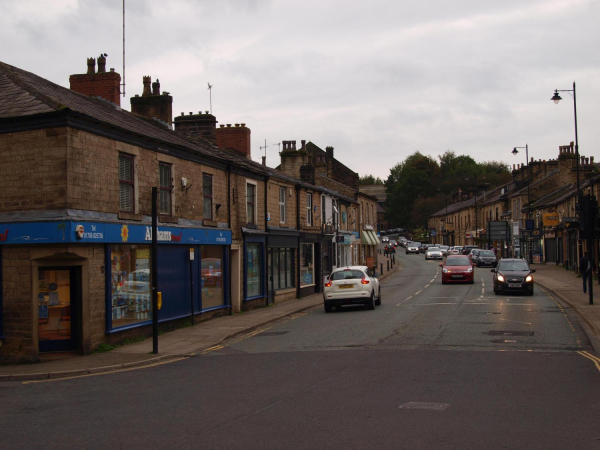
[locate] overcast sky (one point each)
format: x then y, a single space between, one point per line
377 80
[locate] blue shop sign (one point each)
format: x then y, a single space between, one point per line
106 233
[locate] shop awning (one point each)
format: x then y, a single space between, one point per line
368 237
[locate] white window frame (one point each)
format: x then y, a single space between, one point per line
282 211
255 212
309 206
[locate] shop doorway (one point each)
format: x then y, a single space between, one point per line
59 300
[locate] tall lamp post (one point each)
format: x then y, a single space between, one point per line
557 98
516 152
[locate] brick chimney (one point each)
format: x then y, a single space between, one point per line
235 138
152 103
197 125
101 84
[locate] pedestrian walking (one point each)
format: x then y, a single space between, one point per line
586 266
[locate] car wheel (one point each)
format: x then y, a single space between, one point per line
531 292
378 301
371 302
497 291
443 282
472 282
478 265
328 308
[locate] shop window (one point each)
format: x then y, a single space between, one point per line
251 203
282 204
213 288
126 183
282 268
253 270
131 302
207 194
307 269
165 200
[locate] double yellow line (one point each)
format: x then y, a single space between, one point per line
592 358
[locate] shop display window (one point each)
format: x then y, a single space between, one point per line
307 270
282 269
213 293
131 298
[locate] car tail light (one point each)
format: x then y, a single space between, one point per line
328 284
364 281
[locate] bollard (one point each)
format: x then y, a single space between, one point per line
388 265
381 269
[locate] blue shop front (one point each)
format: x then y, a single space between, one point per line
71 261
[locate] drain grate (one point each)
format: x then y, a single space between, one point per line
509 333
271 333
425 405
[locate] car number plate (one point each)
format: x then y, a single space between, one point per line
514 285
457 276
346 286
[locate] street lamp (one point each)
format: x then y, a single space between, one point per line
557 98
516 152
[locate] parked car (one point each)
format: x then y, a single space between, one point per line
424 246
484 258
413 247
444 249
457 269
351 286
513 275
433 253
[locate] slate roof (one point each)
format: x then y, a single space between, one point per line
25 94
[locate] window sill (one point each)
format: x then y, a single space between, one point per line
210 223
124 215
167 219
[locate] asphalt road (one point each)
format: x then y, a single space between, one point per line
449 367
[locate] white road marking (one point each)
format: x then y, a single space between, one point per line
417 293
426 286
518 321
405 300
432 280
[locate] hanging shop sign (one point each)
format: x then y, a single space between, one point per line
550 219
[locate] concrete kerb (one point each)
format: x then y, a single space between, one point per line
592 332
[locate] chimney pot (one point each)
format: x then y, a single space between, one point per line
207 112
243 124
228 125
112 69
91 63
183 114
146 80
101 64
237 125
222 126
191 113
156 87
293 145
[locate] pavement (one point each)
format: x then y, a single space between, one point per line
172 346
190 341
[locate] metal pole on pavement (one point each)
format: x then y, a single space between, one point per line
154 275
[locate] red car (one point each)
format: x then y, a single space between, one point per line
457 269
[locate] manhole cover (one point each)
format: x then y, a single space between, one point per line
271 333
509 333
425 405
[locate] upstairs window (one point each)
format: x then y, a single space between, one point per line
309 220
282 204
126 183
165 200
207 194
251 203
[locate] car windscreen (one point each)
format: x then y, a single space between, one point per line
433 249
486 253
458 262
513 266
347 275
417 244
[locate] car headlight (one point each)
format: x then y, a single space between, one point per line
469 270
445 270
529 278
500 278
